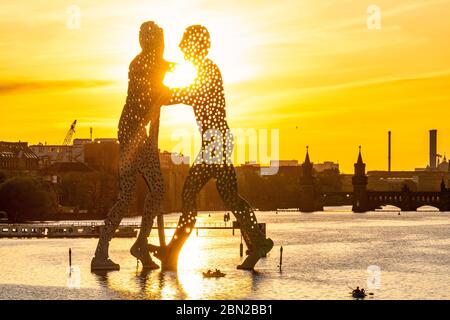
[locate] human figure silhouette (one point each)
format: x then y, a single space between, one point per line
139 155
206 96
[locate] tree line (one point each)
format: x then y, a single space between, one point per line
32 198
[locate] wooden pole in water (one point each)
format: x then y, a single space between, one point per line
161 234
70 262
241 248
281 257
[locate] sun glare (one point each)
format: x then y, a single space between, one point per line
182 75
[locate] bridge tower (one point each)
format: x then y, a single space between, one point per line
359 181
448 173
444 197
307 190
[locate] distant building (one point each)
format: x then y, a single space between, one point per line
78 149
327 165
434 164
444 165
49 154
426 180
102 155
318 167
17 156
284 163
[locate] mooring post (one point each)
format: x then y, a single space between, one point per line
161 233
70 261
241 248
281 257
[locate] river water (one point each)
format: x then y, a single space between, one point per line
394 256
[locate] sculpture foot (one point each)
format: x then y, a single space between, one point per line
170 263
152 265
102 264
251 260
167 256
268 245
144 257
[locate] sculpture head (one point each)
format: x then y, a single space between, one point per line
195 43
151 38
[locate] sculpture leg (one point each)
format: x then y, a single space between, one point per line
198 176
127 182
257 244
153 178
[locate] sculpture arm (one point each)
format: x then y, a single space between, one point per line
183 95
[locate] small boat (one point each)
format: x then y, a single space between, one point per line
359 295
213 274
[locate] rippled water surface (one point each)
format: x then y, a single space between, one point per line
324 253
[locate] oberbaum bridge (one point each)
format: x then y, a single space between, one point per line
362 199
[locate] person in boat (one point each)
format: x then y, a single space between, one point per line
356 291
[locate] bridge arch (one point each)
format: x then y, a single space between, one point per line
427 208
390 207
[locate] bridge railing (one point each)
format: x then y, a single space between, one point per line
99 224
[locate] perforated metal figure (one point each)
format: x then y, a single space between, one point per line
206 96
139 155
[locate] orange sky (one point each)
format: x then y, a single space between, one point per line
311 69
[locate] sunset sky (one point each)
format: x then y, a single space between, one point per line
310 68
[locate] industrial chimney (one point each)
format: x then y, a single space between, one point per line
433 149
389 151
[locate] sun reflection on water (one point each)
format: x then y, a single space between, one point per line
191 260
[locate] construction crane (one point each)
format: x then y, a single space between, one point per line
69 134
67 141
